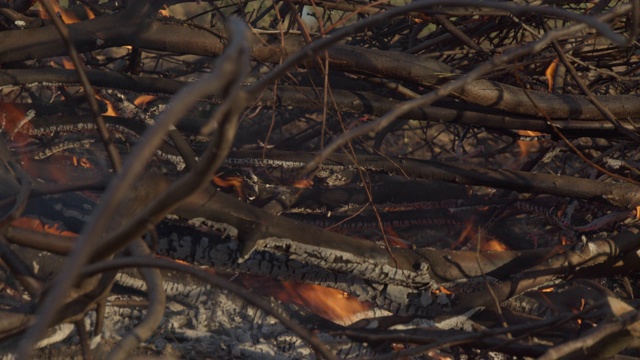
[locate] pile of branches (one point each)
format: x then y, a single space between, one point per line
415 116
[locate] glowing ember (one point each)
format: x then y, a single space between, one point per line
12 120
66 63
37 225
143 100
84 162
303 183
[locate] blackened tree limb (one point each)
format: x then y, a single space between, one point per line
107 79
255 225
155 310
117 30
560 265
451 87
618 194
229 72
307 98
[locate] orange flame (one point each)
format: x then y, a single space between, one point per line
143 100
67 16
231 181
111 111
441 290
329 303
493 245
164 11
526 146
467 234
550 72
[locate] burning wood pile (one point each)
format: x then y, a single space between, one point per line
331 180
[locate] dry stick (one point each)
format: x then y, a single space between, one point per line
569 144
22 197
212 158
125 179
338 35
527 328
83 339
450 87
459 34
613 331
20 270
349 101
106 137
214 281
594 100
26 185
155 310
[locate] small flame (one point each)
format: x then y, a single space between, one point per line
143 100
579 309
550 72
441 290
67 63
90 14
67 16
111 111
164 11
468 233
493 245
526 146
232 181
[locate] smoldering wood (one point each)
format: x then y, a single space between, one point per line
407 280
